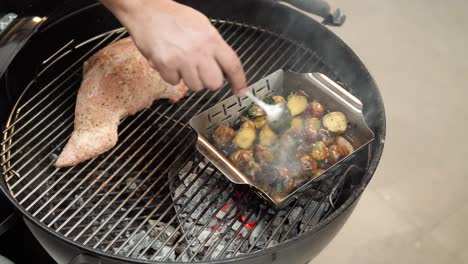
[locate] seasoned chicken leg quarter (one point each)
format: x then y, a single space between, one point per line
117 82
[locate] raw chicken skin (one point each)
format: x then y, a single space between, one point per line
117 82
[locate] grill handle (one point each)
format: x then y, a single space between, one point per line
13 38
317 7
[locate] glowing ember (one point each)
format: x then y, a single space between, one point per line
249 225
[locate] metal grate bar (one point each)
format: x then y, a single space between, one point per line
309 220
190 228
58 52
227 213
45 127
70 169
121 192
212 248
40 111
183 221
174 217
244 198
111 165
150 215
127 211
109 35
236 234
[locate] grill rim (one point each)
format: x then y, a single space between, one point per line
348 204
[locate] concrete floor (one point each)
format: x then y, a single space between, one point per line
415 209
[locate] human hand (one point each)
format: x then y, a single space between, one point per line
180 43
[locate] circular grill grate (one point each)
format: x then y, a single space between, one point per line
152 196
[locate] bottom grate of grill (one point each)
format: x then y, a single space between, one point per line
152 196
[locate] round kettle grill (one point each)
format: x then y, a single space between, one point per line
153 198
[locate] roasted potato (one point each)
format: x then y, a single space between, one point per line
247 123
314 123
267 136
262 154
223 135
319 151
260 121
277 99
245 137
335 122
308 164
243 159
310 133
256 111
335 153
345 146
296 104
326 137
297 124
315 109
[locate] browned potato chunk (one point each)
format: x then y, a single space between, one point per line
319 151
267 136
308 164
263 154
297 124
247 123
345 146
223 135
314 123
242 159
315 109
256 111
335 153
326 137
260 121
245 137
296 104
279 99
335 122
310 133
